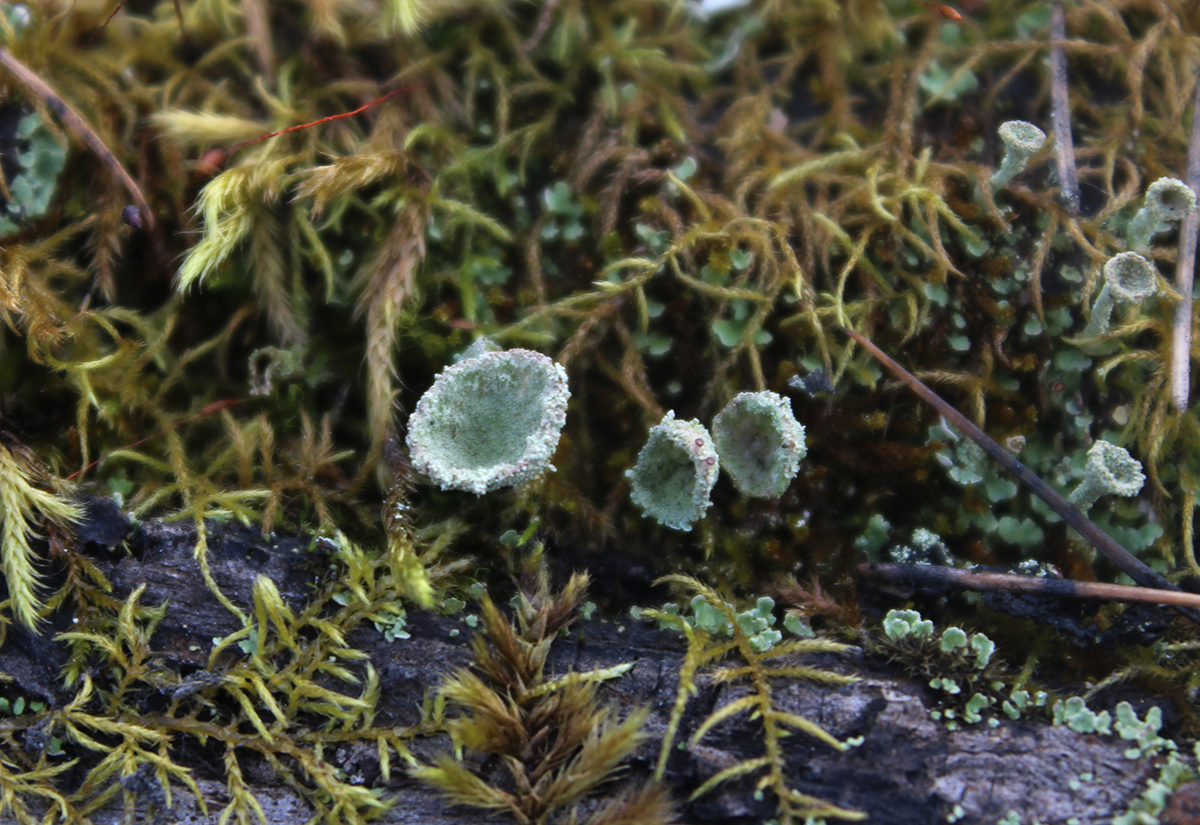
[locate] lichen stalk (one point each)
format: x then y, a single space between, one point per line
1021 141
1101 313
1128 278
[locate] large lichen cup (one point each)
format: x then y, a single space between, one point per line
1128 279
1168 201
1111 471
675 473
760 443
1021 141
490 422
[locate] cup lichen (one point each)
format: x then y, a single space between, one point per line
1168 200
675 472
760 443
1128 279
1111 471
1021 141
491 421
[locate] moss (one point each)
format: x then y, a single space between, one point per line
676 208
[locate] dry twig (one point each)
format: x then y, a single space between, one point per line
1068 178
925 575
1185 268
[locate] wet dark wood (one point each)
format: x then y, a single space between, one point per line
908 769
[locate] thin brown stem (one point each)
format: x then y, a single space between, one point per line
934 576
209 409
258 28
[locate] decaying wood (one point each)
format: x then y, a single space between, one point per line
908 769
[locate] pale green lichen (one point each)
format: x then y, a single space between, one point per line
1021 141
1111 470
489 422
675 473
901 623
1168 201
1128 279
760 443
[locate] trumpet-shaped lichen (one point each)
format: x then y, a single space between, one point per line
1128 279
675 473
1111 471
1168 201
1021 142
491 421
760 443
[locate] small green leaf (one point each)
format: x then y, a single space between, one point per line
729 333
1071 360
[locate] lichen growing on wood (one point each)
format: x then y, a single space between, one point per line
675 205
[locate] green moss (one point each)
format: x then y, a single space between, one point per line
676 208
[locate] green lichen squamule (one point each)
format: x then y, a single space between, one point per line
760 443
675 473
490 422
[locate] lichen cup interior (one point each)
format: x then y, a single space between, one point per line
760 443
490 422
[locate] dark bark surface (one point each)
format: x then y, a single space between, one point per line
908 769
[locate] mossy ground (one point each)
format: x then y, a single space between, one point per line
675 206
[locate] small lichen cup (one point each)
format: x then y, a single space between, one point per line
760 443
1128 279
489 422
1021 141
1168 200
675 473
1111 471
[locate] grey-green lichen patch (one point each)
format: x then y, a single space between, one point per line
490 422
1021 141
1128 279
760 443
675 473
1111 470
1168 201
40 160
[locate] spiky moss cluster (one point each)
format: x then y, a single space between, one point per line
1128 279
1111 471
716 631
557 742
1168 201
490 422
1021 141
23 504
675 472
760 443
